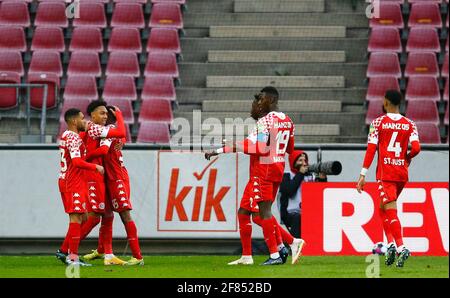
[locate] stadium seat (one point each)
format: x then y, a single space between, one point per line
81 87
446 116
126 40
169 1
11 62
379 85
428 133
128 1
91 15
125 107
46 62
128 133
390 16
164 40
446 90
123 63
87 39
128 15
153 132
384 64
14 14
162 64
423 40
156 110
158 87
37 94
445 67
423 111
374 111
425 14
385 40
422 88
51 14
9 97
12 39
166 15
76 103
48 39
84 63
119 87
422 64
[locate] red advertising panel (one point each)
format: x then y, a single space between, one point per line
337 220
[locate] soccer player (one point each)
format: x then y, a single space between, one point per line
118 196
72 184
389 136
97 135
272 137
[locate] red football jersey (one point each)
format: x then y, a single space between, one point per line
94 138
392 134
71 179
277 131
113 162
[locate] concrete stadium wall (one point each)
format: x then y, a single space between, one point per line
30 204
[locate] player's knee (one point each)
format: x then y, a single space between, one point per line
125 216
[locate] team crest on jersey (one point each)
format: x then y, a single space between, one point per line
372 129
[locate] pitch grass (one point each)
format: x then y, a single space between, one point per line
216 267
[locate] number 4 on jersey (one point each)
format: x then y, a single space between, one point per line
395 146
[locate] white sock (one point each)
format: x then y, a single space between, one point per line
275 255
280 247
400 248
109 256
247 257
295 241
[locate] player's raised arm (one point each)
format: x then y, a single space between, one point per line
78 162
415 143
370 154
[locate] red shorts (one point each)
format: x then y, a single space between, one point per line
119 194
390 190
96 196
258 190
74 202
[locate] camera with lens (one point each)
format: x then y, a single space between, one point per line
326 167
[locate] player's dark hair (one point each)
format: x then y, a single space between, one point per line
394 96
111 117
94 105
71 113
271 92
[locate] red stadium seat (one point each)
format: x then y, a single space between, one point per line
128 133
446 90
446 116
48 39
445 67
164 40
37 94
123 63
46 62
374 111
153 132
422 64
81 87
379 85
156 110
87 39
158 87
91 15
385 40
128 15
84 63
51 14
429 133
384 64
12 39
423 40
166 15
128 1
14 13
76 103
162 64
425 14
9 97
125 107
11 62
120 87
125 39
170 1
390 15
423 111
422 88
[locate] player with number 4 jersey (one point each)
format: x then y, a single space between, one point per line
390 136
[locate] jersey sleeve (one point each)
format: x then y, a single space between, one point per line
261 132
414 133
374 131
73 144
97 131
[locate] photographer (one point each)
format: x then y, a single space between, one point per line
290 190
